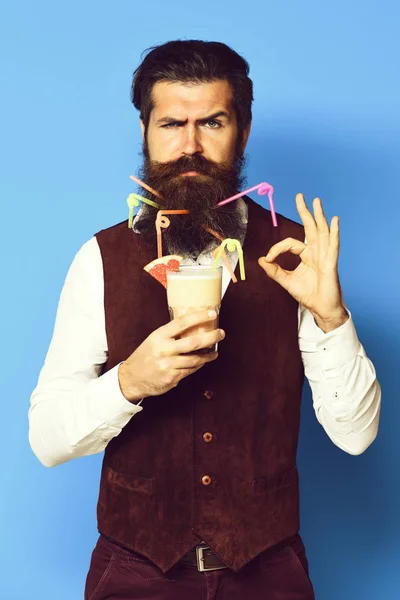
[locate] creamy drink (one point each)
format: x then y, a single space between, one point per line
195 288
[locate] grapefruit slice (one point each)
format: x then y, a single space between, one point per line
158 268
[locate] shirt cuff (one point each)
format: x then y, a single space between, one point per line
112 407
338 347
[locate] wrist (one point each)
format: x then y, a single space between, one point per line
332 321
128 390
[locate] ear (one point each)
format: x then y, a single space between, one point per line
142 127
245 137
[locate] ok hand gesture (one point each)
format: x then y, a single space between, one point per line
315 283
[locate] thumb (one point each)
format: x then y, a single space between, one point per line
274 271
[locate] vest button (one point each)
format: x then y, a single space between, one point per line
208 394
206 480
207 437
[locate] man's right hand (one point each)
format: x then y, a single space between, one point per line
161 361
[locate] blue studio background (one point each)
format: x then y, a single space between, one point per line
326 122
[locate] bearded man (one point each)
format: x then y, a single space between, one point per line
199 493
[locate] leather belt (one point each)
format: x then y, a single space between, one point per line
204 559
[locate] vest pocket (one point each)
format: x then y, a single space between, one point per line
130 482
276 482
126 509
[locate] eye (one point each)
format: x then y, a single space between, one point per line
213 124
170 125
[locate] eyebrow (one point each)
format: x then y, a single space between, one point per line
220 113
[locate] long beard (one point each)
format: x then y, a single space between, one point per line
187 235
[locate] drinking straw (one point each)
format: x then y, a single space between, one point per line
133 202
163 222
262 189
224 255
147 201
144 185
231 245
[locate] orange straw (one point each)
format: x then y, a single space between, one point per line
225 256
163 222
145 186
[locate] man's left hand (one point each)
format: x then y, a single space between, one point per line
315 283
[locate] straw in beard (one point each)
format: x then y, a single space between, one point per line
199 194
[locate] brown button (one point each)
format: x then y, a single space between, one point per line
208 394
207 437
206 480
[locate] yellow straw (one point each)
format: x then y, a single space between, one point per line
231 245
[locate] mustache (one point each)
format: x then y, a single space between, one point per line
197 162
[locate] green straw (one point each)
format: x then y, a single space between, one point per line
133 202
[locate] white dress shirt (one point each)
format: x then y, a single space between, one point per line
75 411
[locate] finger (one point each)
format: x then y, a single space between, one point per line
199 341
177 326
288 245
334 242
307 219
193 361
175 365
182 373
322 223
275 272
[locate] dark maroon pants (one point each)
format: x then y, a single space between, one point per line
280 573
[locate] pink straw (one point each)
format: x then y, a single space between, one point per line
263 189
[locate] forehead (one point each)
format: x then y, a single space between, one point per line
180 99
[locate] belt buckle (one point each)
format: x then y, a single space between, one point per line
200 560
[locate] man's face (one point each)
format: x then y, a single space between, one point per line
192 119
193 159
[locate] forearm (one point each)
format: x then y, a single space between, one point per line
345 390
67 422
347 404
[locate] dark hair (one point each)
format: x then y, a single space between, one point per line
193 61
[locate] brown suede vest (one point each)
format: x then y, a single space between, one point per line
152 498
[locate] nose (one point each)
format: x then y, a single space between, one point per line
191 143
